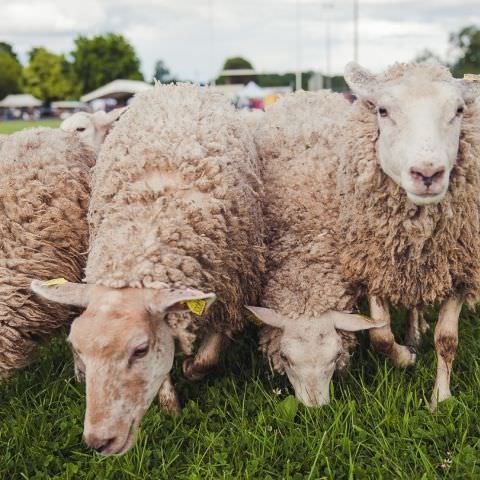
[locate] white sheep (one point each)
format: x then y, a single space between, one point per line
409 179
176 222
307 298
92 128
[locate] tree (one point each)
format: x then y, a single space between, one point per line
162 72
236 63
49 76
466 42
101 59
426 55
7 48
10 74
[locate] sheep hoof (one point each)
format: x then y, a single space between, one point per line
191 371
405 356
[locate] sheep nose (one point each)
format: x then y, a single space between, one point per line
427 175
99 444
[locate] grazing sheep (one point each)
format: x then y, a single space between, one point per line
44 191
409 180
306 296
175 222
92 128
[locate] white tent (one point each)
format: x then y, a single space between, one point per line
117 89
252 90
20 101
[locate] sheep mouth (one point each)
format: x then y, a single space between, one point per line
426 198
127 444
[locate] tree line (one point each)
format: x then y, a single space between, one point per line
95 61
49 76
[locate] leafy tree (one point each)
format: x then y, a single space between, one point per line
236 63
49 76
10 74
467 43
7 48
162 72
103 58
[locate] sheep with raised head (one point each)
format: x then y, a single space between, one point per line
306 301
176 223
409 179
92 128
44 192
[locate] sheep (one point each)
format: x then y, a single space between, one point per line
307 333
409 178
176 223
44 191
92 128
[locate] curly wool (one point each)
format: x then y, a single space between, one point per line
413 256
44 192
301 211
177 202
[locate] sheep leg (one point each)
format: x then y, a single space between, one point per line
206 358
446 341
382 338
417 326
422 324
167 397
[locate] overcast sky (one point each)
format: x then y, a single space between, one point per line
195 36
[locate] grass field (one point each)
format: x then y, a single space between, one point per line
234 426
14 125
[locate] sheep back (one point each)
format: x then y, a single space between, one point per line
176 201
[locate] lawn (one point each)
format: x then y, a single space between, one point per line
15 125
233 425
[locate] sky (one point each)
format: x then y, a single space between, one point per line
194 37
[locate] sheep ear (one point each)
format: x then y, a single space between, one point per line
470 86
268 316
361 81
178 300
353 322
68 293
104 121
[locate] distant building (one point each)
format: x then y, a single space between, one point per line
120 90
22 105
21 100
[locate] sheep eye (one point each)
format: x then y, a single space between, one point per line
80 129
382 111
460 110
140 352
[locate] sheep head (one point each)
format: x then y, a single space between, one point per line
419 110
123 349
311 348
92 128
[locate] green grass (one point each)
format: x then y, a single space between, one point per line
234 426
15 125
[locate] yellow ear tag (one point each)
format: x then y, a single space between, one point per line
196 306
55 281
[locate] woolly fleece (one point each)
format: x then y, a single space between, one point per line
412 256
44 192
176 202
303 271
